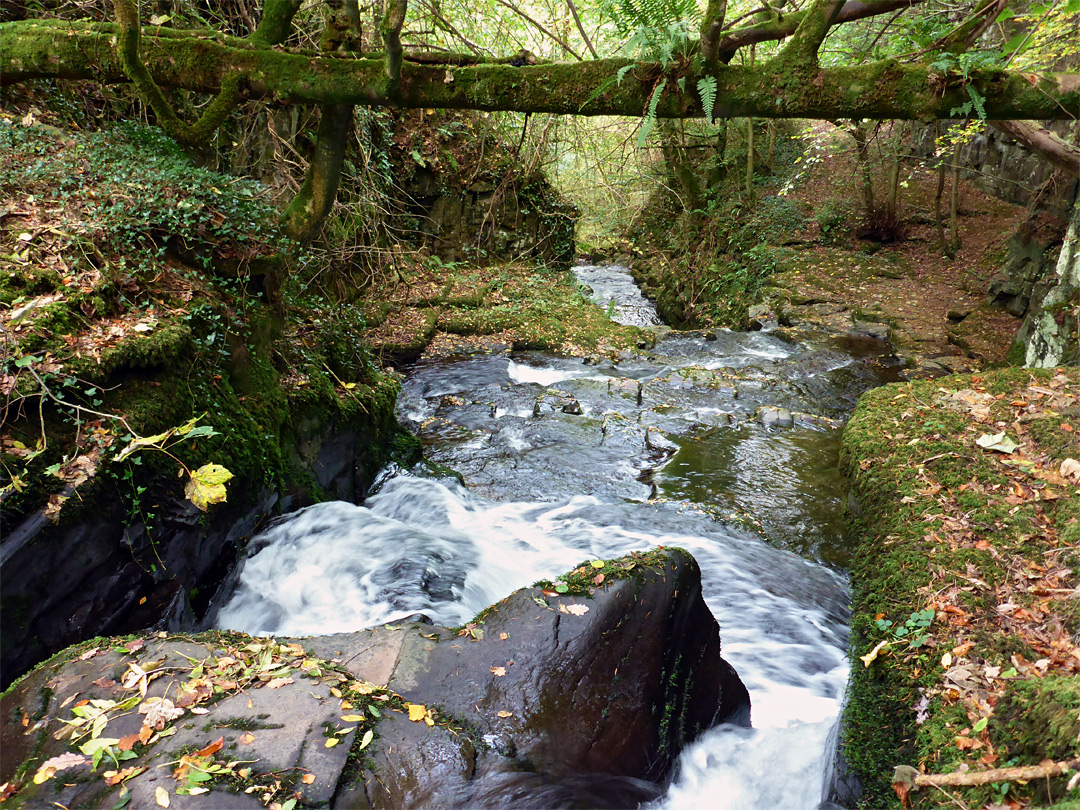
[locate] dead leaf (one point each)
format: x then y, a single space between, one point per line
212 748
161 796
159 712
871 656
574 610
307 778
50 767
504 713
1070 467
247 738
277 683
89 654
498 672
999 442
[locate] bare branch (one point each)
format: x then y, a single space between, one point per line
581 29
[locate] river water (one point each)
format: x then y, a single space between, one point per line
722 443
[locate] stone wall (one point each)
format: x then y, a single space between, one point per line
1002 167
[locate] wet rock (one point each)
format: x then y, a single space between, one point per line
567 701
655 440
775 417
615 691
878 331
573 407
761 316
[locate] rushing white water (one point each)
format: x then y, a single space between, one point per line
420 546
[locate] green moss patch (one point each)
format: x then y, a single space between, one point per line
963 582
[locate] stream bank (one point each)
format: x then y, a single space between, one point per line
964 584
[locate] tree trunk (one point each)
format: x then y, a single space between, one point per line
862 158
954 205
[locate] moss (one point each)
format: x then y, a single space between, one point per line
932 521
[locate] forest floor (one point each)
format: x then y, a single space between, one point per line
933 306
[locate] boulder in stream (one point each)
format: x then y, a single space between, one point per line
547 699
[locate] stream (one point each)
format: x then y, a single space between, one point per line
720 442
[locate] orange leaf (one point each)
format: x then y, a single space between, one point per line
307 778
128 742
598 579
212 748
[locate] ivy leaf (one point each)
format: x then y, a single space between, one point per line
207 485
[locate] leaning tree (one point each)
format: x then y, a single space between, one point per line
703 77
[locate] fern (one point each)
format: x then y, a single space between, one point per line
649 122
706 88
656 29
622 72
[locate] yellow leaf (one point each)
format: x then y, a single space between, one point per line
332 742
871 656
207 485
416 711
504 713
353 718
161 795
504 636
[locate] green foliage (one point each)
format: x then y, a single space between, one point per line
649 122
657 30
707 91
141 195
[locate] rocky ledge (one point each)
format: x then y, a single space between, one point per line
581 694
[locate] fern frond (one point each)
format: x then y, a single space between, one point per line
649 121
706 88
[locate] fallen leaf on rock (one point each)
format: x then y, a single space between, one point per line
277 683
50 767
366 741
247 738
212 748
161 796
353 718
498 671
332 742
574 610
504 636
307 778
504 713
89 654
416 711
116 777
159 711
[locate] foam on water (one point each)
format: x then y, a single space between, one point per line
421 546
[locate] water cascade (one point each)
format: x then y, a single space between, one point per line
722 443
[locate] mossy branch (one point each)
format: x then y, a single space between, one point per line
276 21
316 196
875 90
710 33
801 50
128 47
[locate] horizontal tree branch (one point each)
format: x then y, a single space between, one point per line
878 90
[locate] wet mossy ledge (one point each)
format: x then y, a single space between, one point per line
572 700
966 500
